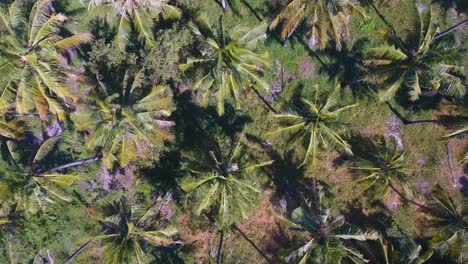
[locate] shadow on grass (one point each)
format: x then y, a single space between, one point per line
195 128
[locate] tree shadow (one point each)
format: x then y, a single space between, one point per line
460 6
464 183
194 129
422 104
195 124
345 64
166 255
285 172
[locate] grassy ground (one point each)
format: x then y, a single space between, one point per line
426 153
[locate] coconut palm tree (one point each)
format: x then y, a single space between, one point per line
448 225
395 246
381 167
133 226
403 252
231 61
420 63
32 69
324 238
31 187
12 129
219 182
126 123
325 19
138 14
398 250
315 123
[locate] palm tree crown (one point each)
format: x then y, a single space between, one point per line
141 14
325 237
231 61
381 164
29 187
220 181
315 123
449 224
126 125
418 63
31 64
133 225
327 19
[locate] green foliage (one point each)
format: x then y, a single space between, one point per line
325 236
418 62
128 100
328 19
171 48
52 231
140 15
449 225
134 223
231 59
126 123
32 59
29 187
315 123
381 165
220 181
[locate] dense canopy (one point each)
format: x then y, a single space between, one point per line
233 131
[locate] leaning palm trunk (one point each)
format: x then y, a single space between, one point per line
75 163
220 247
77 252
449 30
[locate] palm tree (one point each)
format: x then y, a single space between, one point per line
396 250
316 124
138 14
12 129
30 187
448 225
132 226
326 19
31 65
219 183
395 246
325 238
128 124
461 132
220 180
230 58
419 62
381 166
404 252
42 258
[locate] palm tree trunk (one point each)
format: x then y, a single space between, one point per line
75 163
449 155
76 253
382 17
252 243
265 101
445 32
406 121
407 199
252 10
220 247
